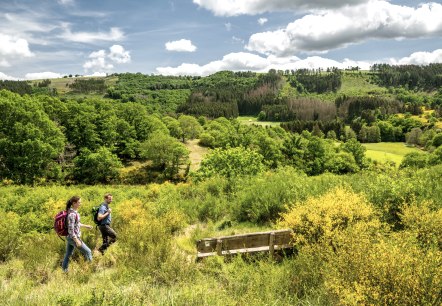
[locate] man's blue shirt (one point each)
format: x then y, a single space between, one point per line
101 211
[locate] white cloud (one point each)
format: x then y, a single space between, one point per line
114 34
237 40
97 74
253 7
7 77
98 54
119 55
322 31
4 63
13 47
228 26
99 60
66 2
243 61
97 63
42 75
420 58
182 45
261 21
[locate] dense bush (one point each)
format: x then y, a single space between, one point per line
97 167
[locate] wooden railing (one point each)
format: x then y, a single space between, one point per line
245 243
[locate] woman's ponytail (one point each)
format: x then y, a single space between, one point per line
71 201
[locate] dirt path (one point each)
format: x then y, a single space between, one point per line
197 153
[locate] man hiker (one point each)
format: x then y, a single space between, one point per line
104 218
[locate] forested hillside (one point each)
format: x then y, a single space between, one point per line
365 231
126 118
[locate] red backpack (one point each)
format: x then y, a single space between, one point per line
61 224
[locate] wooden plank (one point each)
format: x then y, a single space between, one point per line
219 244
271 244
267 241
242 251
244 240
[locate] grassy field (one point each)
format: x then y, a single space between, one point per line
61 84
357 83
249 120
388 151
196 153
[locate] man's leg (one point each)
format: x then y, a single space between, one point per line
105 239
111 234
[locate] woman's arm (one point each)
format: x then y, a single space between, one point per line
72 218
86 226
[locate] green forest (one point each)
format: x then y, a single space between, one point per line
365 230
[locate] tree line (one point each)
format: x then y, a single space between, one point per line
424 77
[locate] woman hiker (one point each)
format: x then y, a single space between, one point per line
73 239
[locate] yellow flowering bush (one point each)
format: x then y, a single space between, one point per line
322 218
425 223
390 270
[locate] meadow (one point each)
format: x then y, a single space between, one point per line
364 233
347 230
388 151
249 120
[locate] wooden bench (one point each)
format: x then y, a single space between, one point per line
245 243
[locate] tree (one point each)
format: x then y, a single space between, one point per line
174 126
341 163
143 123
356 149
80 122
30 142
219 133
231 163
413 137
349 134
437 140
97 167
190 127
414 160
315 155
317 131
127 145
435 158
331 135
165 152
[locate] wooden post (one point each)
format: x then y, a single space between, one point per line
271 244
219 250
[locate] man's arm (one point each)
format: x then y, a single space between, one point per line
104 215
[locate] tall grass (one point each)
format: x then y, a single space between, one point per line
153 261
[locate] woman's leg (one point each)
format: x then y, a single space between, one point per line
86 251
70 245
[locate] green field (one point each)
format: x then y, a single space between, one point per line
388 151
61 84
249 120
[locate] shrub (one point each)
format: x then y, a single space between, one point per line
424 222
321 219
382 271
10 234
414 160
231 163
97 167
341 163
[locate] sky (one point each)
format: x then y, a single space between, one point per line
52 38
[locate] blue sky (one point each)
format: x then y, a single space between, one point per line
52 38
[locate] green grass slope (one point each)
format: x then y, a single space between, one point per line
388 151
